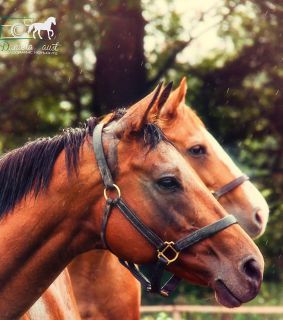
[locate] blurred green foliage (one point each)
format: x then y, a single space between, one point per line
271 294
236 88
205 316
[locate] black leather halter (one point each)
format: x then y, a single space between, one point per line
230 186
166 251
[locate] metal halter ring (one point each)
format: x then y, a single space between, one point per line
169 245
114 186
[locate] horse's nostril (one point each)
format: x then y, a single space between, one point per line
252 270
258 224
258 217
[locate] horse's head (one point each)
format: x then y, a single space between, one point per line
52 20
216 169
164 191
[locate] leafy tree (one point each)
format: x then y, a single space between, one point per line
112 52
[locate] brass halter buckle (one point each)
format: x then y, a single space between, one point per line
162 253
113 187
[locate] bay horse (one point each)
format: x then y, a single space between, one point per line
96 287
57 302
56 203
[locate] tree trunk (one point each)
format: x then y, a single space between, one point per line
119 74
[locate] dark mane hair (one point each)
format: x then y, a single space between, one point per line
29 168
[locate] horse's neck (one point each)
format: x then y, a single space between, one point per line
96 273
42 235
91 264
56 303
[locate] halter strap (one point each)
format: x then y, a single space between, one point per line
167 251
205 232
230 186
100 158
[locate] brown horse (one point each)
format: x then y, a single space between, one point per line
95 287
215 168
103 288
52 209
57 302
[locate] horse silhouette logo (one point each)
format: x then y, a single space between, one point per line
43 26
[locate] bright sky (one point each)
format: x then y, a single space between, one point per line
189 11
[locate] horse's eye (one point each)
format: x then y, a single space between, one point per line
197 150
168 183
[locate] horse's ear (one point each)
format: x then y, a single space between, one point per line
138 114
176 99
154 112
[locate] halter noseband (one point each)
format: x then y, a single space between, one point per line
167 251
230 186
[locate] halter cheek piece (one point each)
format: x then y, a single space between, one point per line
166 251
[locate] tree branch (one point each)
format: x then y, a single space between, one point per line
179 46
5 17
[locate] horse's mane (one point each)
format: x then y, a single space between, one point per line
29 168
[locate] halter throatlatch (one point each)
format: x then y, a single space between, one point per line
166 251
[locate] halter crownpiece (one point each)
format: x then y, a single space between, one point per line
166 251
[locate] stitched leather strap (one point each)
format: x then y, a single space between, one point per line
139 225
153 285
107 212
156 276
144 281
99 156
205 232
230 186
